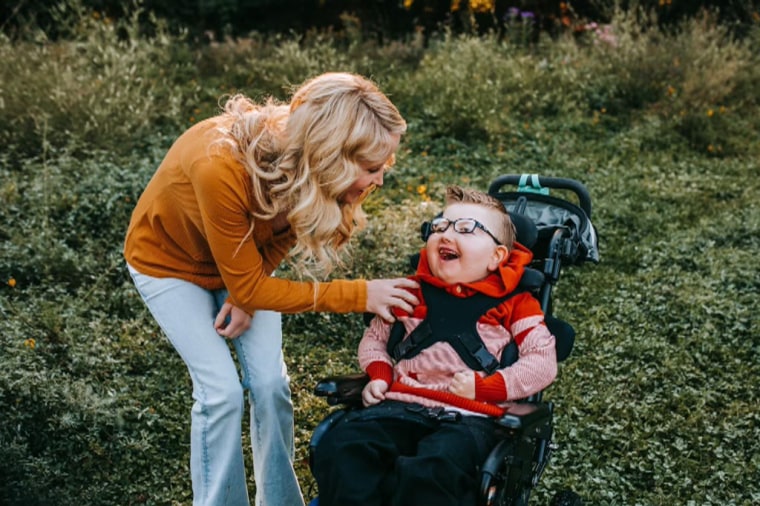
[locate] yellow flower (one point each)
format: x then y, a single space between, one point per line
421 189
482 5
710 113
30 343
12 282
710 148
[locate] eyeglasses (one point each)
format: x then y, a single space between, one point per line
461 226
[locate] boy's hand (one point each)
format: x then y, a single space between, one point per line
374 392
463 384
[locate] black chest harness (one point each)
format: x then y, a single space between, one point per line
454 320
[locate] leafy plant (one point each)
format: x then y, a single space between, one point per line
657 404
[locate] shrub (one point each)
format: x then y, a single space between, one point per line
693 77
106 86
469 87
657 403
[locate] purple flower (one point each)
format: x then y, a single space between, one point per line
512 12
527 15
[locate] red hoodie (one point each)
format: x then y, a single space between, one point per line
425 378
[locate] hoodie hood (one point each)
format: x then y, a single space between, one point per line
498 284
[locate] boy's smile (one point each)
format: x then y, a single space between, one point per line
447 253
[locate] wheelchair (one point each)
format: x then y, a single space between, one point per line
559 232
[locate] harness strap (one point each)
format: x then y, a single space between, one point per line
453 320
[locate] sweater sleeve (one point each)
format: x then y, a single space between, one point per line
373 346
276 251
380 371
536 366
222 200
490 389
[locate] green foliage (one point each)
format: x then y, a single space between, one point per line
470 87
658 403
693 78
106 86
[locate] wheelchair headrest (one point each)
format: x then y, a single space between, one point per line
526 231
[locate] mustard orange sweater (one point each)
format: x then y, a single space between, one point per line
191 221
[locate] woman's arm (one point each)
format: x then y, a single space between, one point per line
222 198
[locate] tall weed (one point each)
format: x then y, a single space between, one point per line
106 86
95 403
272 66
470 86
693 77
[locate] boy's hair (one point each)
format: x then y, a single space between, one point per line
505 232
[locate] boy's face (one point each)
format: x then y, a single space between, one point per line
456 257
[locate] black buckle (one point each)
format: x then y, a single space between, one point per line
439 413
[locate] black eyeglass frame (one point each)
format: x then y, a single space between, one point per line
436 223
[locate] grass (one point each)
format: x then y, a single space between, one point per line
658 403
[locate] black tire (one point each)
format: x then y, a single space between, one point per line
497 489
498 495
566 498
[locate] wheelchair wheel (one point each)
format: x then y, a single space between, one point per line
502 484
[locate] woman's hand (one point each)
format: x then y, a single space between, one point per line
231 321
374 392
384 294
463 384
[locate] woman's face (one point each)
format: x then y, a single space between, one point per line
371 176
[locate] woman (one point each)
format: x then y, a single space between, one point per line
234 196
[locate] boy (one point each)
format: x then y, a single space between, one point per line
438 376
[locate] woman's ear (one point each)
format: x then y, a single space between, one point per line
500 254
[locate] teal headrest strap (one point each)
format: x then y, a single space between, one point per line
529 183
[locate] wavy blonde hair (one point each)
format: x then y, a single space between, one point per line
304 156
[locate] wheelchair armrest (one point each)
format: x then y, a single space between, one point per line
526 416
345 389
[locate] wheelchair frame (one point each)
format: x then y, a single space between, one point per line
516 464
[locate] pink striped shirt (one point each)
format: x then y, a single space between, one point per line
425 378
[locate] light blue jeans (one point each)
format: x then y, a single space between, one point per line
185 312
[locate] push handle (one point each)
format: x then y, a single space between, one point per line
584 199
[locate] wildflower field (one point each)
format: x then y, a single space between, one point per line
659 403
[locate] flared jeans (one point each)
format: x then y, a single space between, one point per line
186 312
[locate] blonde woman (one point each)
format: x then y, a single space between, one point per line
234 196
